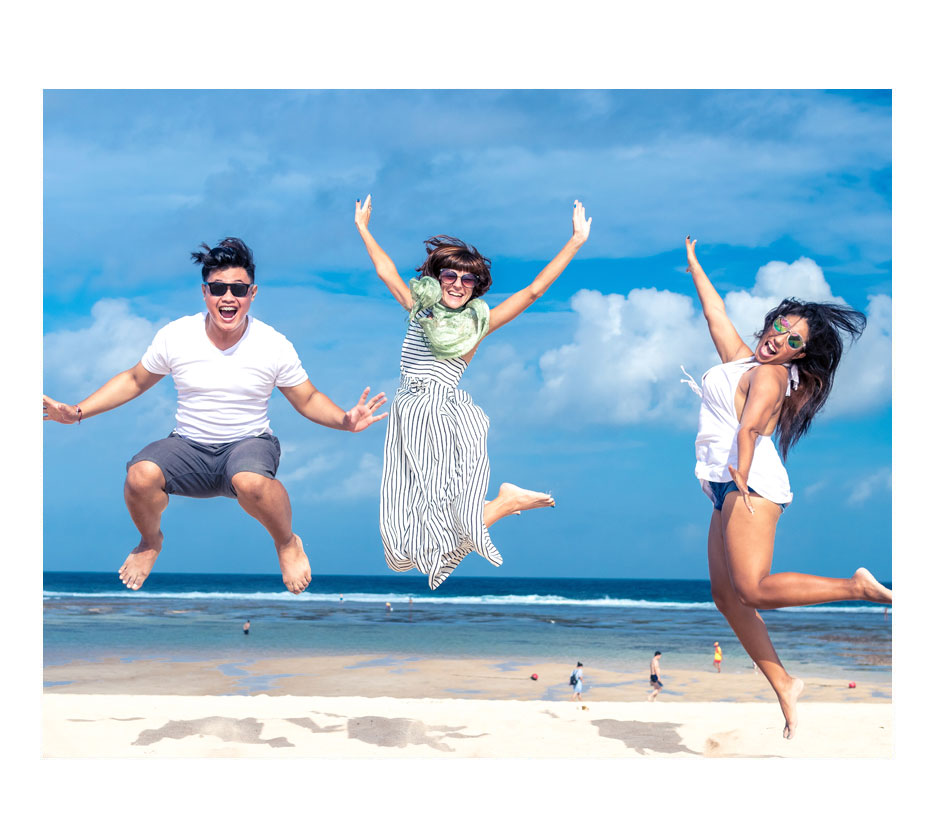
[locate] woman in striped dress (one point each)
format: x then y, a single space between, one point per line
433 511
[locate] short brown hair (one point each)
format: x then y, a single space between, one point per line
446 251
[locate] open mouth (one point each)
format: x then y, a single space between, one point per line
227 312
769 349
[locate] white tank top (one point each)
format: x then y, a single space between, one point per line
715 446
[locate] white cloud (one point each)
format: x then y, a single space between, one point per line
311 467
814 489
869 485
81 360
864 378
623 365
362 482
739 167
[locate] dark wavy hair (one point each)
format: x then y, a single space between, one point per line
231 252
446 251
822 355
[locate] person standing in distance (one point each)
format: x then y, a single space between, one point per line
654 673
577 681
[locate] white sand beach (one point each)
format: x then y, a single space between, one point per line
390 708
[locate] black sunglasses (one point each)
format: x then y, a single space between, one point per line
239 289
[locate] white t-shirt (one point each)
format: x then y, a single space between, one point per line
223 395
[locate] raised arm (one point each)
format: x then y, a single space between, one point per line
518 302
385 268
317 407
121 388
730 346
764 395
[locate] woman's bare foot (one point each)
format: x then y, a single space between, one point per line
512 500
871 589
296 570
516 499
485 503
789 703
139 562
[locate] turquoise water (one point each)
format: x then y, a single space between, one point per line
611 622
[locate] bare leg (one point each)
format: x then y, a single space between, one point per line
266 500
746 622
750 564
146 499
511 500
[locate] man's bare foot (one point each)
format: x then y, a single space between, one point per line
517 499
139 562
296 570
871 589
789 703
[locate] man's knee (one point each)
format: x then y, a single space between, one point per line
251 486
143 477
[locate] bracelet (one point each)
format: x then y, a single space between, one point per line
78 410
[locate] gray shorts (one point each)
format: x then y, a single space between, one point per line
205 470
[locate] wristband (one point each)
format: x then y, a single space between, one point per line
78 410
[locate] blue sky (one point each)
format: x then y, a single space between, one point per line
788 193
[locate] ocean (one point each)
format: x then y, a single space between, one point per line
613 623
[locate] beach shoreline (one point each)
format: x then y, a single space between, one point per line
418 677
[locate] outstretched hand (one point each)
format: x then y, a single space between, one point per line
57 411
740 482
693 264
361 217
361 415
580 223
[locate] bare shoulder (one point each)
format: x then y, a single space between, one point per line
778 372
768 376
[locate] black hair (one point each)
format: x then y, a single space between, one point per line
822 354
231 252
579 664
657 653
446 251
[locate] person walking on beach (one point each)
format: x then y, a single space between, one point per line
717 656
655 671
577 680
436 471
225 365
246 628
778 387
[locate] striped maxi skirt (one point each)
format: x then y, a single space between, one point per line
435 477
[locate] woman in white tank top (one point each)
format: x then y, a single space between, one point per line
778 388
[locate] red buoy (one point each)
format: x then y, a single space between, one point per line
535 676
852 685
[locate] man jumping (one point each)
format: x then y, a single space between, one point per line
225 364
